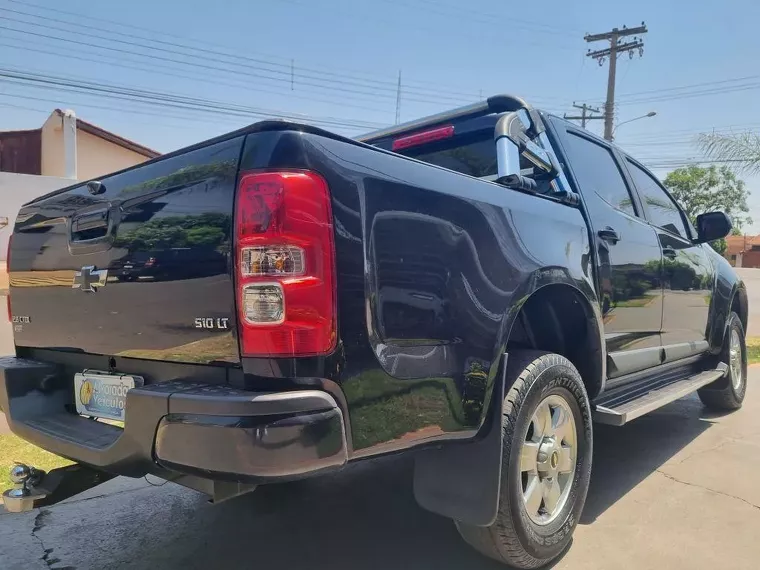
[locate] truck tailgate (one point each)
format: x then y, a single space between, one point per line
137 265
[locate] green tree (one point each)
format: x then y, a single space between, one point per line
707 189
741 150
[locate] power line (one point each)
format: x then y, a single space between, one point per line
616 47
166 99
212 68
152 96
398 100
388 84
131 111
171 71
23 107
694 130
274 67
419 88
690 86
278 75
693 94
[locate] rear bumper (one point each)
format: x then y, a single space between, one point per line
212 431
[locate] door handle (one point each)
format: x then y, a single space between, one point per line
669 252
608 234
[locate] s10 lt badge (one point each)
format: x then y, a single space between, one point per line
211 323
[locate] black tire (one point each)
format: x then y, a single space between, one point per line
514 538
723 394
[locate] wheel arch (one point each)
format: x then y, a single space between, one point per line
559 318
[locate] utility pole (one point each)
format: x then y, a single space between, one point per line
614 37
398 99
584 116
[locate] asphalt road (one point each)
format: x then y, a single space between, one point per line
675 489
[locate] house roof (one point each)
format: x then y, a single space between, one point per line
738 244
9 134
113 137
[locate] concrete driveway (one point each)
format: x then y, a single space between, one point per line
678 488
6 347
751 278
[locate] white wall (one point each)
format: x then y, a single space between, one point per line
18 189
96 157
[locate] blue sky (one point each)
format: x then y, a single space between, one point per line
699 70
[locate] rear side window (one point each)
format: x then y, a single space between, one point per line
660 208
473 154
596 171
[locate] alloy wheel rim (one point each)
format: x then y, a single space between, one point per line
735 359
548 457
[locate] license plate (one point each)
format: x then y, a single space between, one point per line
103 395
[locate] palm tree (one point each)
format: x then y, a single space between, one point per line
742 149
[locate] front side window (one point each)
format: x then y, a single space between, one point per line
660 208
596 171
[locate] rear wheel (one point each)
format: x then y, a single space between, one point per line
546 462
728 393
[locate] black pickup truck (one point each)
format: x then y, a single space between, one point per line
475 288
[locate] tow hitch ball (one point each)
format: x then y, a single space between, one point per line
22 496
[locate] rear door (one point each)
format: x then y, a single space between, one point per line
688 274
628 254
89 270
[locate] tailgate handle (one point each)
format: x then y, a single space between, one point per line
90 221
94 231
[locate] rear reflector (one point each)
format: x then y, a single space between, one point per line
423 137
285 264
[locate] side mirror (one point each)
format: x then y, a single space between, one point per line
712 226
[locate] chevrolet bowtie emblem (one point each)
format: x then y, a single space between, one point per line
88 280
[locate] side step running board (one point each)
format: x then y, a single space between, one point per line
620 410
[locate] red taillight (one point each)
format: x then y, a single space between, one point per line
8 273
150 262
423 137
285 264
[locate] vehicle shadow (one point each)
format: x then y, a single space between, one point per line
624 456
364 517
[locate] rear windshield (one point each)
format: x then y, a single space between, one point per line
473 154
